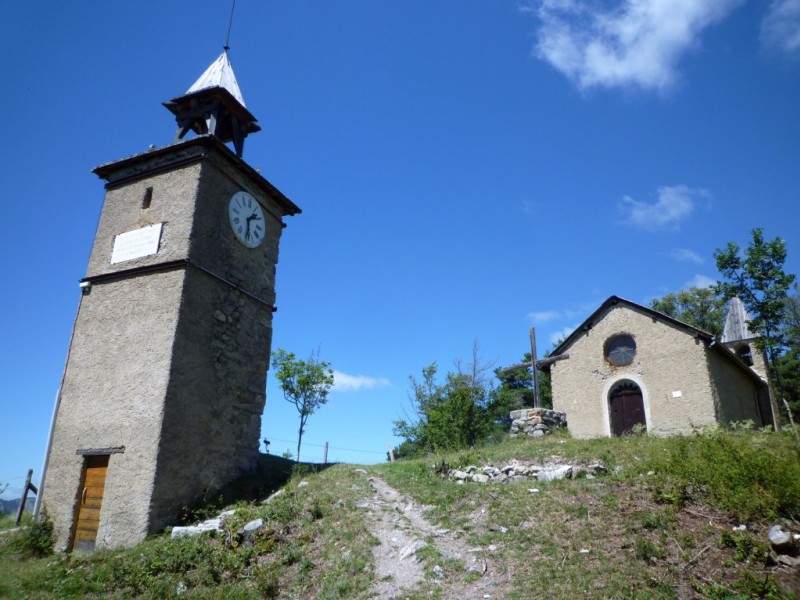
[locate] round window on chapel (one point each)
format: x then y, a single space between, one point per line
620 350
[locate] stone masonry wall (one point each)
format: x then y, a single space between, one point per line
112 397
535 422
670 367
167 367
736 394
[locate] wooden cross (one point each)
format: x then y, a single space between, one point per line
535 365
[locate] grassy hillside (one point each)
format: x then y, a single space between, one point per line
663 523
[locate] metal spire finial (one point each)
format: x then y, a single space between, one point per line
230 24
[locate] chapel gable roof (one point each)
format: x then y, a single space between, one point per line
599 314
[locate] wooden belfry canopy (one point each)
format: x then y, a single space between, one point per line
214 105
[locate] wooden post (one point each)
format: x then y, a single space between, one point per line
791 423
28 487
325 456
534 369
391 452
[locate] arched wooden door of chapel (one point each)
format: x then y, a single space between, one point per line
626 407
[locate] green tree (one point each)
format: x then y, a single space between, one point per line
305 383
449 415
791 323
460 419
787 365
703 308
758 279
516 389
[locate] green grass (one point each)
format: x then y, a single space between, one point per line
641 526
750 475
659 528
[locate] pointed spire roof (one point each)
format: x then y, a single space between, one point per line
214 106
219 74
737 323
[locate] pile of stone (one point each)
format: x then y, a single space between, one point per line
785 545
214 524
217 523
536 422
515 472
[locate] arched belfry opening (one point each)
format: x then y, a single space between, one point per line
744 352
625 407
740 338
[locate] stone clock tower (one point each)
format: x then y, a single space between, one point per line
165 380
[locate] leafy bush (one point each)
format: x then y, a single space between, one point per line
303 469
203 508
737 471
38 539
745 544
646 550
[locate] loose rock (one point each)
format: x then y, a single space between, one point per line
782 541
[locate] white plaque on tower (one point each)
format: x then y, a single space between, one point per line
136 243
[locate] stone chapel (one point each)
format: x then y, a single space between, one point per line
632 366
164 385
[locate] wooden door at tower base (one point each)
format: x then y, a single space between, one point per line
90 499
626 408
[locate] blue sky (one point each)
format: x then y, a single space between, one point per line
466 170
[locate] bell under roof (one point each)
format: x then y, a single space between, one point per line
214 106
219 74
737 323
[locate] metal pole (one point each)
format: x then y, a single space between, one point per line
37 507
534 370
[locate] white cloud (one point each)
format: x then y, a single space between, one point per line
342 382
674 204
632 43
686 255
561 334
780 28
529 207
700 281
537 318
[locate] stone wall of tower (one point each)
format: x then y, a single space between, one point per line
166 371
217 387
118 368
112 396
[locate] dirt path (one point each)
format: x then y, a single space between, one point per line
402 529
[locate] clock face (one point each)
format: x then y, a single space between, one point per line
247 219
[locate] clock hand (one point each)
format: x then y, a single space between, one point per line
253 217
